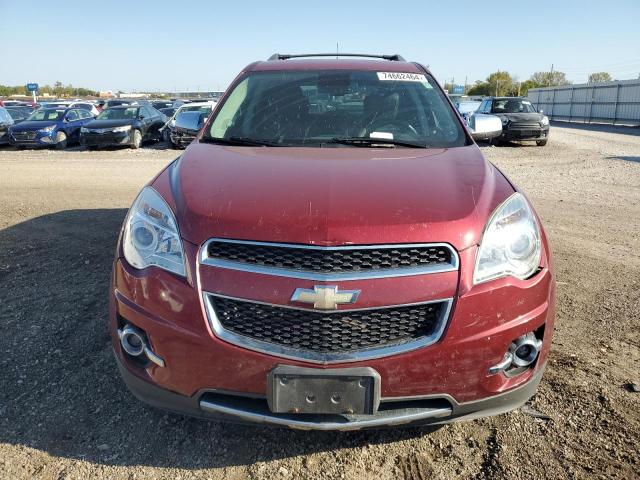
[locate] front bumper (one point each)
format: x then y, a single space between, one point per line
406 412
531 133
448 380
106 139
181 139
32 138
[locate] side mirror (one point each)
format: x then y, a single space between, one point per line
140 117
484 127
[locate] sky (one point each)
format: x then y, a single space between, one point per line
191 45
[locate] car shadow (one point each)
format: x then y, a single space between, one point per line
60 391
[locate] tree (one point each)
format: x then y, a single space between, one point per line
599 77
498 83
527 85
550 79
501 83
479 88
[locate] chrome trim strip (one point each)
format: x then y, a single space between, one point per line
348 424
324 358
330 277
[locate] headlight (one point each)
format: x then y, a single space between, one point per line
84 130
545 121
48 129
151 234
510 243
505 120
126 128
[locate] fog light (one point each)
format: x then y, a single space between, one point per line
134 342
522 352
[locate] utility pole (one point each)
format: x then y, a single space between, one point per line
551 76
465 84
336 50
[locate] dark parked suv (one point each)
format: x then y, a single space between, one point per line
520 120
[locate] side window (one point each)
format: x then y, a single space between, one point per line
489 106
84 113
72 115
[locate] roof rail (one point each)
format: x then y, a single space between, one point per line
284 56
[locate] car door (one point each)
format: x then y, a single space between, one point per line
155 122
145 122
72 125
85 117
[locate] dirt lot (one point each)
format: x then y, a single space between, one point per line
64 413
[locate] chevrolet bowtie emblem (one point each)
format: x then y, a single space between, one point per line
325 297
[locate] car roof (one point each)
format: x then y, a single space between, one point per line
335 64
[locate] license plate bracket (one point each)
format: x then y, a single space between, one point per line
330 391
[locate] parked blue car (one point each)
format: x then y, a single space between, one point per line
50 127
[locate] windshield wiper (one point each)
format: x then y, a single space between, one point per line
245 141
368 142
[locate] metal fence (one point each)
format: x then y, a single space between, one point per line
615 102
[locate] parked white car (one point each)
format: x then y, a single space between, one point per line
206 106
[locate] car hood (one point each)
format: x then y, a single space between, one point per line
521 117
333 196
109 123
32 125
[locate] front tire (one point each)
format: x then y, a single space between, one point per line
137 139
541 143
61 141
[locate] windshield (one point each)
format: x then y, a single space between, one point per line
118 114
46 114
312 107
512 105
468 107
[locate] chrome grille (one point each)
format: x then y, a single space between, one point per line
330 263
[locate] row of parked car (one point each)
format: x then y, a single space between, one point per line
117 122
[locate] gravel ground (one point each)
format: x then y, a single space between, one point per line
65 414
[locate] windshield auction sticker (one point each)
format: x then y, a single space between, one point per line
401 77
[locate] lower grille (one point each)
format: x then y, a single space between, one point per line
328 336
24 135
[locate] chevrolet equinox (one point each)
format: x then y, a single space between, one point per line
333 252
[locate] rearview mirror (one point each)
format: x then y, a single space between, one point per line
485 127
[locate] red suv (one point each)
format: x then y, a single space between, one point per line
333 252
